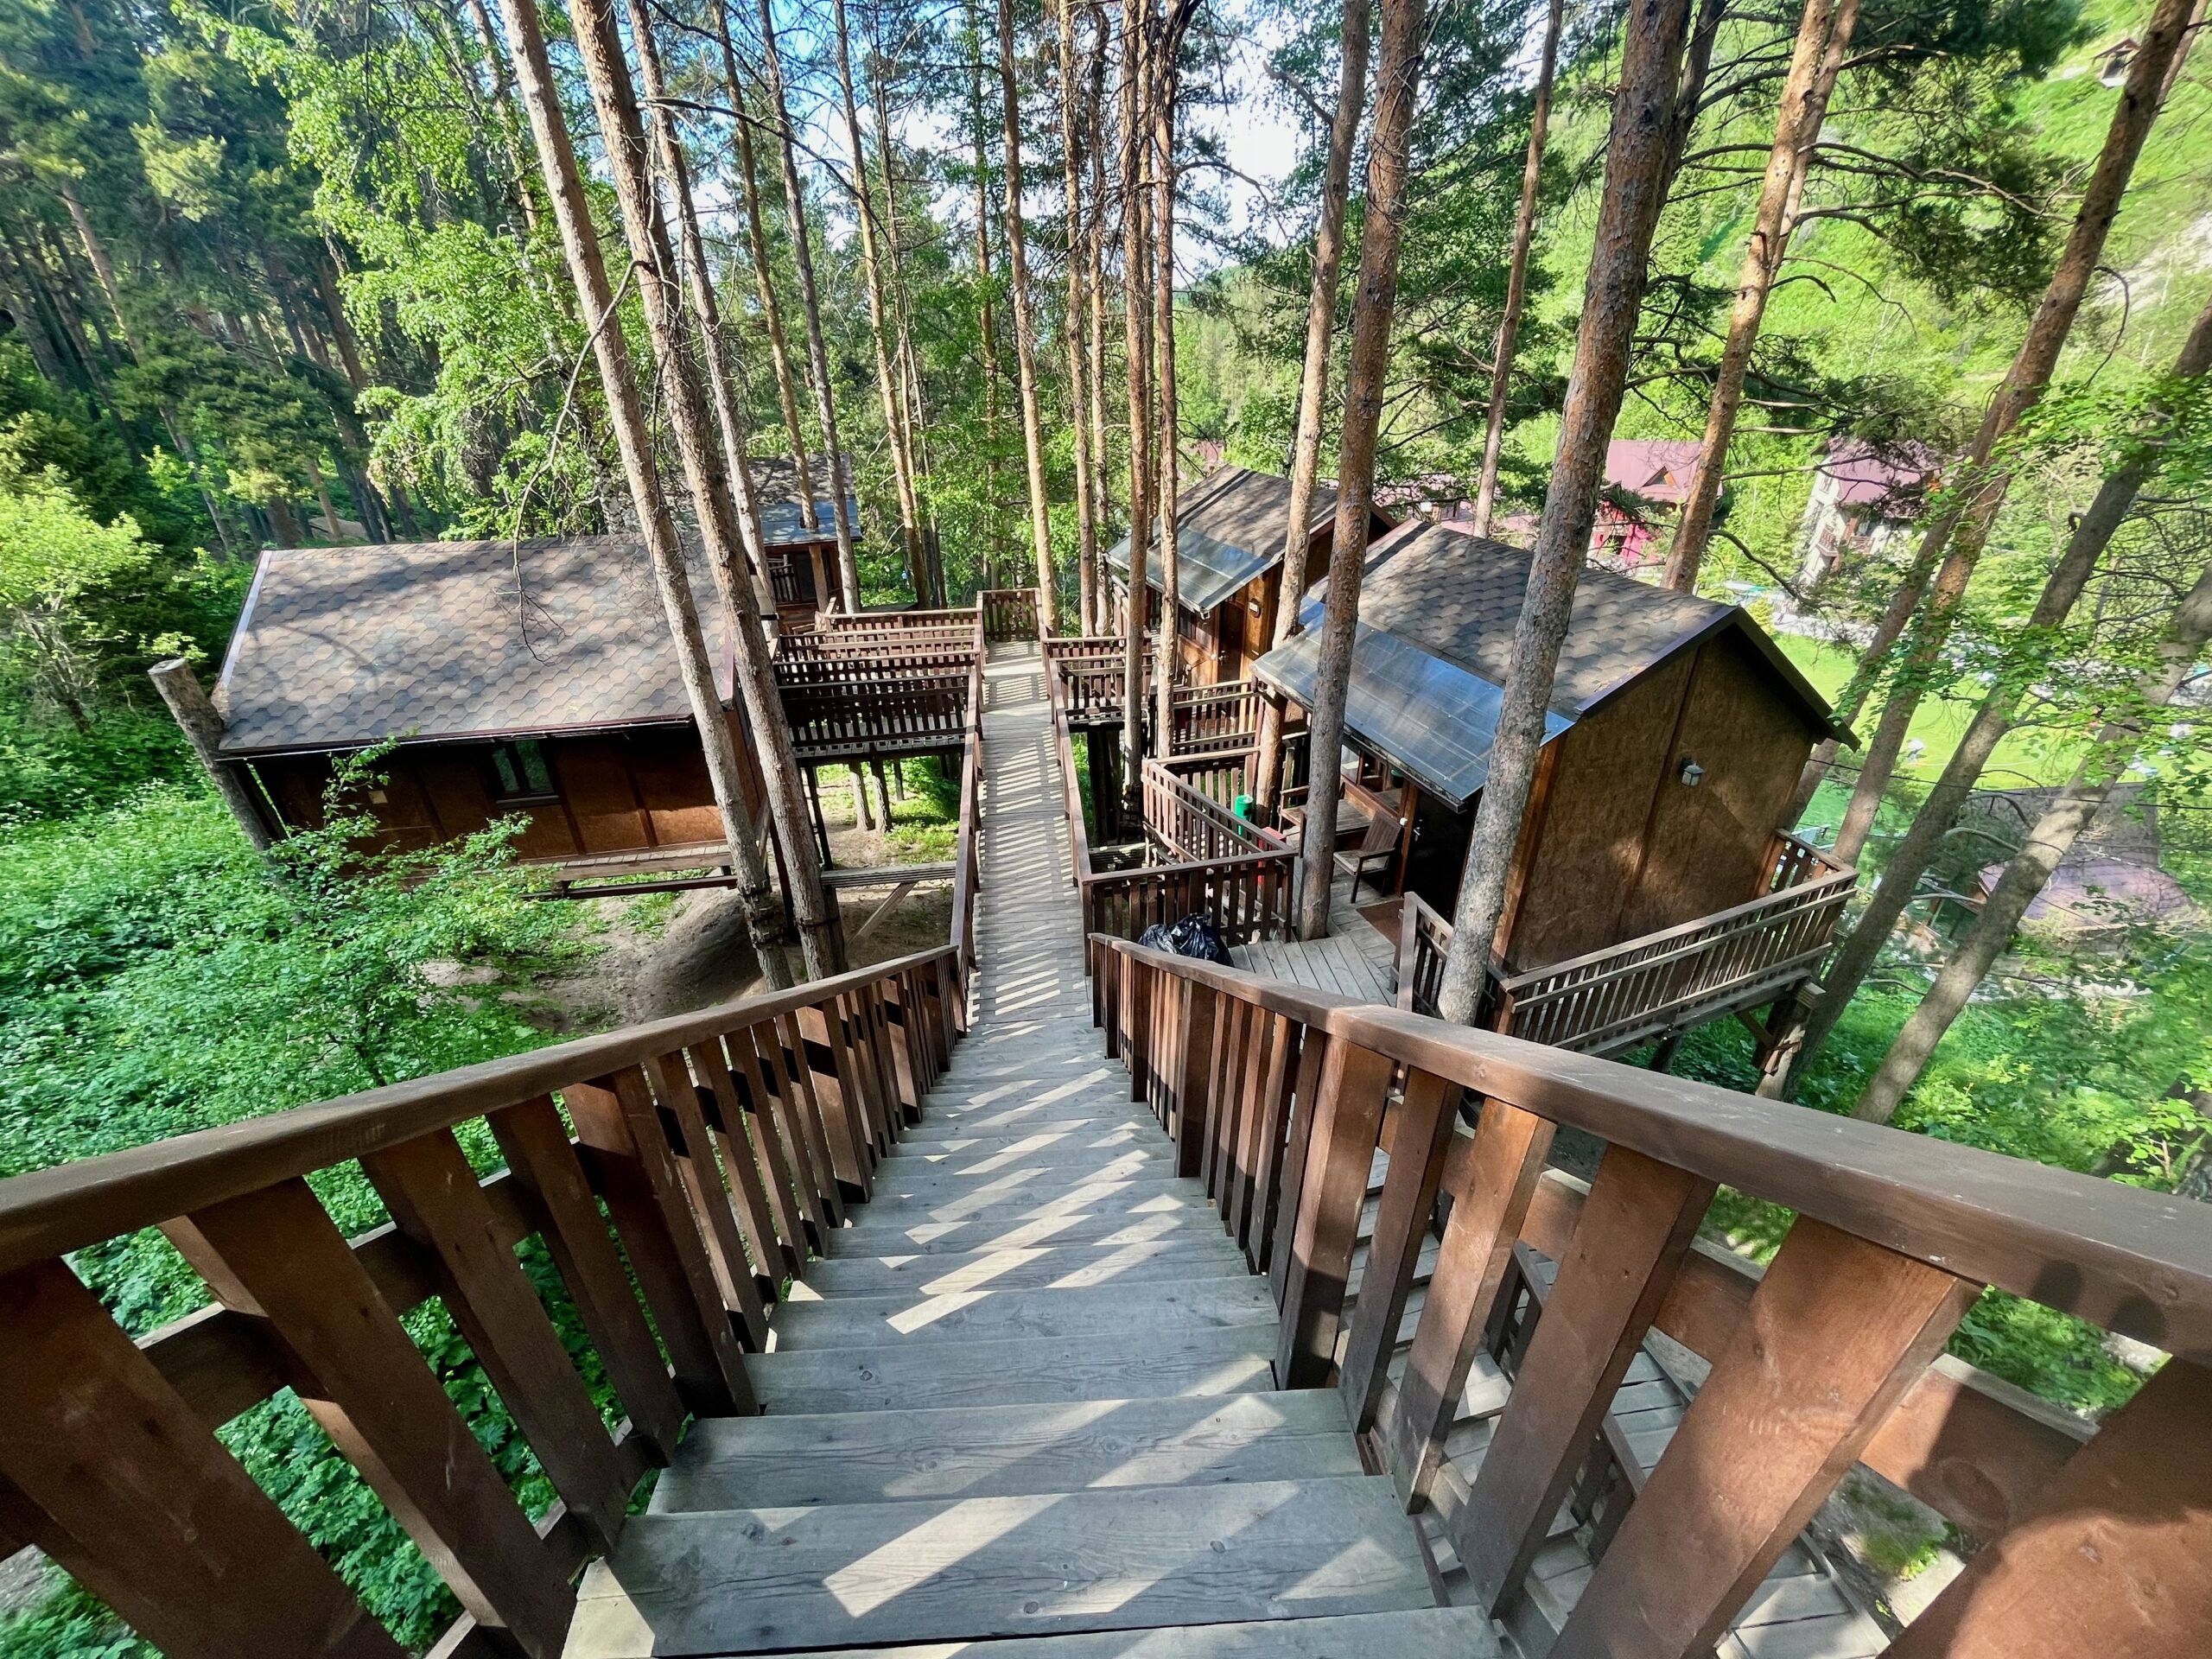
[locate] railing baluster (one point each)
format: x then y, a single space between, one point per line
1251 1110
2114 1558
1221 1095
1312 1059
1837 1330
752 1149
700 1172
274 1253
1636 1226
773 1255
615 1117
782 1047
1347 1114
141 1502
1504 1163
1273 1125
1423 1130
431 1192
538 1154
829 1072
1197 1019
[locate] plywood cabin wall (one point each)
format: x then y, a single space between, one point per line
1624 847
619 791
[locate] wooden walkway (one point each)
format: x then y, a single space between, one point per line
1030 1393
1030 1397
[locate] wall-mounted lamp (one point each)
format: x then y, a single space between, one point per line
1692 773
1254 606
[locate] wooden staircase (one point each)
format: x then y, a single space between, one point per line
1031 1391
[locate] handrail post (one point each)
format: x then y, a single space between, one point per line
1347 1114
1422 1131
1189 1094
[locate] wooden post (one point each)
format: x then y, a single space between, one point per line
1417 1143
1837 1331
1636 1227
203 728
1347 1115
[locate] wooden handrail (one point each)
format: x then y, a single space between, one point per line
1278 1097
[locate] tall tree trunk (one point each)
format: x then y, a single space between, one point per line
1823 38
894 422
1960 533
1078 307
579 241
1167 462
1094 253
764 278
1025 333
1516 270
1136 272
1313 377
717 474
2114 748
1397 78
988 322
1636 171
1909 859
836 465
913 418
103 267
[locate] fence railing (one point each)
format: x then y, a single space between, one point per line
1643 988
1189 820
1210 718
865 691
725 1146
1008 613
1278 1097
1247 893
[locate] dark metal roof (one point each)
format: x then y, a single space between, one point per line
339 647
776 491
1229 527
1438 606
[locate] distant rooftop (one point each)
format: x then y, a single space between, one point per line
1894 477
342 647
1437 610
1658 469
775 487
1230 527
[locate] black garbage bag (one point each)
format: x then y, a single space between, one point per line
1156 937
1197 937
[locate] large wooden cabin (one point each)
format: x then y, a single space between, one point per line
1230 531
802 563
533 679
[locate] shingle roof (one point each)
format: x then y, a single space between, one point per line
343 646
1658 469
1437 610
1230 527
775 489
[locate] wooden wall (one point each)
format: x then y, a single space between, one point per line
1624 848
619 790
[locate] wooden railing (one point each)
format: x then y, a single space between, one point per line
1278 1098
725 1146
856 692
1008 613
1247 894
1187 820
1659 982
791 579
1424 937
1210 718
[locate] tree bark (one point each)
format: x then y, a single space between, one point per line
1639 149
1025 332
764 281
2030 870
1516 270
1165 48
1078 307
1094 255
1136 272
1909 859
894 423
1823 38
1960 533
580 241
913 419
1397 77
987 320
1313 374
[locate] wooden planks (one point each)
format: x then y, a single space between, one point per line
998 1451
1100 1314
1048 1266
1424 1633
1139 1362
1018 1565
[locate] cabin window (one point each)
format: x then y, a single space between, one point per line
522 772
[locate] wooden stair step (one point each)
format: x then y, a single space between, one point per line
869 1456
1067 1227
917 1180
1412 1633
1042 1266
931 1138
1041 1564
1139 1362
1099 1313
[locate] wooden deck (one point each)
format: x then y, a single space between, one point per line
1355 959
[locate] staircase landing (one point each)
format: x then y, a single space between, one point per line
1031 1394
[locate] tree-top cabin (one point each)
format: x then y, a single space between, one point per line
537 679
1231 528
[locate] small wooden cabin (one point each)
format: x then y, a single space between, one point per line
536 678
1230 529
802 563
1676 733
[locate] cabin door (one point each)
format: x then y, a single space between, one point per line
1439 853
